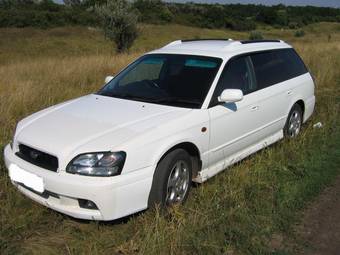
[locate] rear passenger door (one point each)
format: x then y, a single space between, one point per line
269 72
275 71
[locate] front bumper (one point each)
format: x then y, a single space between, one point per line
115 197
309 108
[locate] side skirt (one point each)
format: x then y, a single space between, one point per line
207 173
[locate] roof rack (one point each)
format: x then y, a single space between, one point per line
230 45
259 41
206 39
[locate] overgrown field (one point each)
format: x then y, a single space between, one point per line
237 212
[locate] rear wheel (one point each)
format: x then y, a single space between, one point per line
294 122
172 179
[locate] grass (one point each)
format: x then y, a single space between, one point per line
236 212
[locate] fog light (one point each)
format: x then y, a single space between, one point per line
87 204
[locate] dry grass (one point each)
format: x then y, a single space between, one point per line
234 213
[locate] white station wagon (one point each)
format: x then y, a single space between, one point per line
178 114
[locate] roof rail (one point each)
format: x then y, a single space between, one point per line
206 39
259 41
173 43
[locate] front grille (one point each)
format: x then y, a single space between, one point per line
38 158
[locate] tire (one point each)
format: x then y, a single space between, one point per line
294 122
172 180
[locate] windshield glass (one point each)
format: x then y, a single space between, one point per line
177 80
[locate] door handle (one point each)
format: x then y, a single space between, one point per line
254 108
289 92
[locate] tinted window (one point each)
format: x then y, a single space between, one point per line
276 66
237 74
171 79
148 69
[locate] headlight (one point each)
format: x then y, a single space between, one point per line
97 164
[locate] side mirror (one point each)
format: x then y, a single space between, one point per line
231 96
108 79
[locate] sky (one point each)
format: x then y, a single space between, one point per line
324 3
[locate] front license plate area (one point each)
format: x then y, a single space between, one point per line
30 180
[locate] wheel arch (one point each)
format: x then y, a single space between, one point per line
299 101
192 150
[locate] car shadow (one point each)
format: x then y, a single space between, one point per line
230 106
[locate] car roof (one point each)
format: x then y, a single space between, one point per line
222 48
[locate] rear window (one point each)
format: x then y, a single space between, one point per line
276 66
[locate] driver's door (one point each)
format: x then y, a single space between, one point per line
233 125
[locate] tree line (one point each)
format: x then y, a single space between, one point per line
46 13
119 18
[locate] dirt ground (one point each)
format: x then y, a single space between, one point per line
320 226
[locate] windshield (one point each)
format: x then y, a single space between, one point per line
177 80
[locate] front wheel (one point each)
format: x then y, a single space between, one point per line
172 179
294 122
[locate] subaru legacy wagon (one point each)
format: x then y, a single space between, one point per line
176 115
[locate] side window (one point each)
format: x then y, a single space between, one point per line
293 64
237 74
268 68
276 66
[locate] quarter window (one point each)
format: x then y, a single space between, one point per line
276 66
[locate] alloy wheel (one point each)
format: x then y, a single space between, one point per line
294 124
178 183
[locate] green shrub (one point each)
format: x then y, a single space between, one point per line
119 21
255 35
44 18
243 25
293 25
153 11
299 33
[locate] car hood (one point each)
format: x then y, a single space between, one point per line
91 123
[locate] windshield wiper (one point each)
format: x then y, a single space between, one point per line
165 100
176 100
126 96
